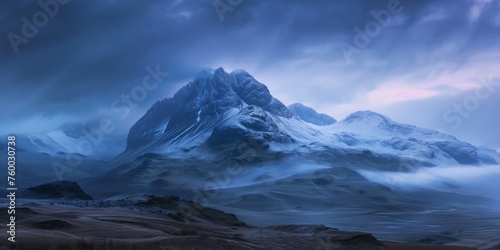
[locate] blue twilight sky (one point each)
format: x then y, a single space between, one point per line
433 63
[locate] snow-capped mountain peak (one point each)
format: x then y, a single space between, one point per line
369 122
367 116
219 110
202 104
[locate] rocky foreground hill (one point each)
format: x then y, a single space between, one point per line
144 221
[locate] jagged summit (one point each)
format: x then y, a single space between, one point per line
204 100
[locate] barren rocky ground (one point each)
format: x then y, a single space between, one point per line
143 221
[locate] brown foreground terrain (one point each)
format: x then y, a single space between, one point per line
165 222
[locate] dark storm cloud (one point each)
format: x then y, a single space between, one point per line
91 52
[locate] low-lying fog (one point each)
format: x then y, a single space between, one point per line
468 180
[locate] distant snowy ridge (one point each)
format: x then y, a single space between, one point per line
79 139
308 114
